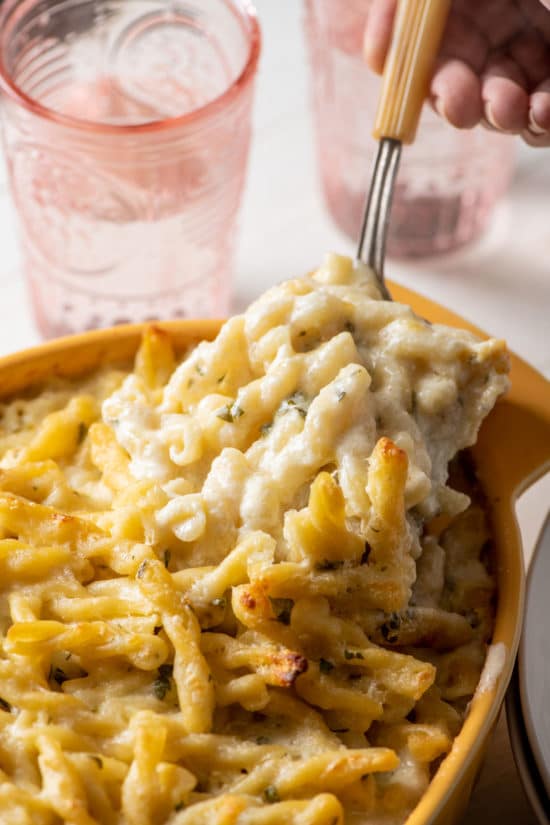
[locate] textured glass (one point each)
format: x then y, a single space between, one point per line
127 128
449 180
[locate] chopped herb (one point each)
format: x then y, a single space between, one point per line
389 628
349 327
57 675
230 414
302 333
375 529
340 395
167 556
244 770
68 655
163 683
82 430
157 629
414 403
198 369
282 609
353 654
366 553
297 401
219 602
379 421
327 564
263 740
340 730
141 569
225 414
325 666
221 378
266 428
5 705
271 794
97 759
190 382
179 806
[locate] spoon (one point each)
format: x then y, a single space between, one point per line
417 33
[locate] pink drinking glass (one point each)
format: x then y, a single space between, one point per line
449 180
127 128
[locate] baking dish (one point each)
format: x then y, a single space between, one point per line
513 450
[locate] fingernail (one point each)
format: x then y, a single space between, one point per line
439 107
491 119
534 127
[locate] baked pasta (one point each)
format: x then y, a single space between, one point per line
237 588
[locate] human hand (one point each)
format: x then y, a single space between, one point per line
493 66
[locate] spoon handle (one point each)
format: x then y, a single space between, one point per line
417 34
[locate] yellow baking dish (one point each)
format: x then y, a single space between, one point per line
513 450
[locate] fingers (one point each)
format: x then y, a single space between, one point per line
531 53
378 33
538 132
456 94
505 100
464 41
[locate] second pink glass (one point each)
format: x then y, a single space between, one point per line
449 180
127 128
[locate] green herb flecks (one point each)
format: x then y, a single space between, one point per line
57 675
389 629
163 683
325 666
141 569
230 413
353 654
271 794
327 564
282 609
295 402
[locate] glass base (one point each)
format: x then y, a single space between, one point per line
59 311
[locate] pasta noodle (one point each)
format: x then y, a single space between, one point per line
238 588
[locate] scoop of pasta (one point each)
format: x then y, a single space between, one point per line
223 597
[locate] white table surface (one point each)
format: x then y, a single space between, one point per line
502 283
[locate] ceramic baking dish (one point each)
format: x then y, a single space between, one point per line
513 450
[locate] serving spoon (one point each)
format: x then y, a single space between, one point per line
417 33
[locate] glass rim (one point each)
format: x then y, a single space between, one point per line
10 88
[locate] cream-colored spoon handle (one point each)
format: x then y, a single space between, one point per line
417 34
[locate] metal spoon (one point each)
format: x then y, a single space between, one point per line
417 34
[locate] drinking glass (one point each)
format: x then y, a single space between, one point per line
449 180
126 128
